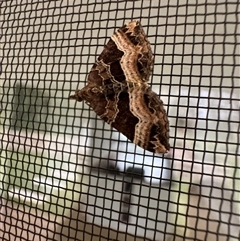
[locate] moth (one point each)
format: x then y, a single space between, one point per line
117 90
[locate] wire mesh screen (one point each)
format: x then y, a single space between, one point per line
67 175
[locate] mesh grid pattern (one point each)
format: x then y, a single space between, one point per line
65 175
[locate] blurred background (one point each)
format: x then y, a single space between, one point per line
56 153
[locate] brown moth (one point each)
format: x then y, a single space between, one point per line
118 92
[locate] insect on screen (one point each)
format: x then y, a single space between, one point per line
151 151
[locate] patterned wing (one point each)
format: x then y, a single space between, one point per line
117 90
